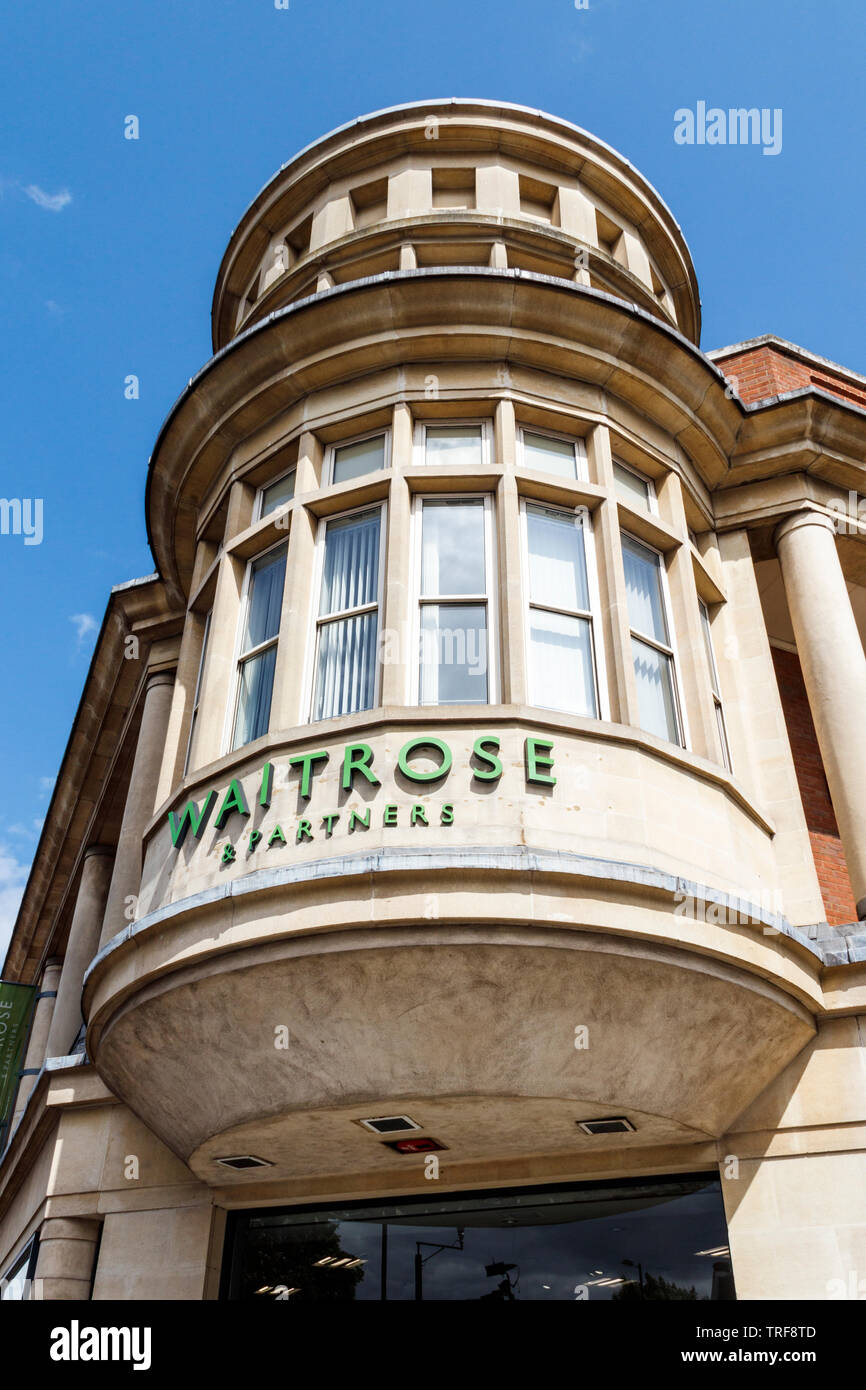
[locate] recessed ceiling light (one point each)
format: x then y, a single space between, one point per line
617 1124
390 1124
244 1161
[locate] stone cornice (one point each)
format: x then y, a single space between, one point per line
107 702
473 313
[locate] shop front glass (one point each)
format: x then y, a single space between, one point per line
656 1239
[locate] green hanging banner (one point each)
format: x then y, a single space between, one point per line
16 1006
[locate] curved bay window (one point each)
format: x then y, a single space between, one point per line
260 632
563 671
455 581
347 625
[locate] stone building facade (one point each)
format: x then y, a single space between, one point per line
462 831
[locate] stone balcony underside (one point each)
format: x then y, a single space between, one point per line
471 1030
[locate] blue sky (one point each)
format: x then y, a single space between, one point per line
109 248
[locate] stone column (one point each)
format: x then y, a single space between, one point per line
396 620
834 671
81 947
64 1265
140 801
513 673
39 1029
621 685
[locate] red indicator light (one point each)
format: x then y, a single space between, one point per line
414 1146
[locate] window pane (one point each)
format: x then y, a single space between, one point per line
278 493
452 548
354 460
453 654
643 586
723 735
346 666
459 444
630 487
561 663
548 454
254 697
557 560
708 642
351 571
265 598
655 692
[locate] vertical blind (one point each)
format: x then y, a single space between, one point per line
347 639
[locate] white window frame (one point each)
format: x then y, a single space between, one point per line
582 518
577 440
26 1260
260 495
490 599
311 657
652 499
672 651
384 431
715 685
241 656
420 440
198 683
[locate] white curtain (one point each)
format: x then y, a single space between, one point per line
346 665
557 560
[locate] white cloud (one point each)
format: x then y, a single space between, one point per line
52 202
54 308
46 785
13 876
85 623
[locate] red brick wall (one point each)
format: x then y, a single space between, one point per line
823 831
767 371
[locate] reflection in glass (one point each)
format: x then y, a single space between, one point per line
455 444
549 455
452 547
653 1239
655 690
259 646
355 460
561 661
453 654
277 494
630 486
